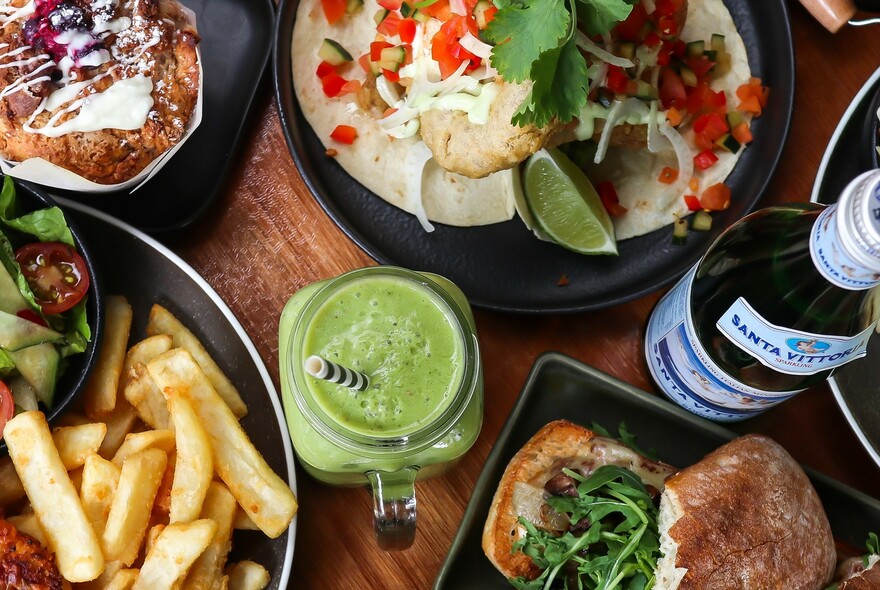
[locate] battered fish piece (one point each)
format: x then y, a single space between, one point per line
24 563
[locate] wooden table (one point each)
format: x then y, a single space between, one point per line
267 237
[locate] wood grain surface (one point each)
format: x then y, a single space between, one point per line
266 237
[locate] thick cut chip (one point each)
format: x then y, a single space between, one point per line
123 580
132 504
266 498
99 480
219 506
100 391
172 554
139 441
163 321
194 466
142 393
30 525
248 575
53 497
75 443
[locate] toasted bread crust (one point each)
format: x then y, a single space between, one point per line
557 439
751 520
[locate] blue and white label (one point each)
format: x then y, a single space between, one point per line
789 351
831 259
685 372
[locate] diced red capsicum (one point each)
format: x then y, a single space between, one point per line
332 84
616 80
705 159
333 10
668 175
707 129
742 133
407 30
608 196
692 202
390 4
389 24
344 134
325 68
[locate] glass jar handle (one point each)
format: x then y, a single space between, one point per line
394 507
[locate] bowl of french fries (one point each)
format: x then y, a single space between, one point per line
141 485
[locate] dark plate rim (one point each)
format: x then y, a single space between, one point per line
871 85
549 359
288 111
271 392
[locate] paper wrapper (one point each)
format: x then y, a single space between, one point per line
40 171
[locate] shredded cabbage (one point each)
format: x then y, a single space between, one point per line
414 170
587 45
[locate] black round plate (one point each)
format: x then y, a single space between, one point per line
503 266
850 152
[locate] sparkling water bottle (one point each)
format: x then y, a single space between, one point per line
777 303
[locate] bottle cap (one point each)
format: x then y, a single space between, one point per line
859 219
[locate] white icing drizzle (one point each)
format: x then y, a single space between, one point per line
124 105
15 13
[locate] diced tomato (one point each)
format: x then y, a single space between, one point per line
489 15
457 26
344 134
652 39
439 10
608 196
407 30
750 105
390 4
679 48
667 28
333 10
325 68
666 7
700 65
716 197
705 159
332 84
364 63
692 202
672 92
742 133
616 79
391 76
376 48
631 29
664 56
389 25
752 96
699 97
711 126
668 175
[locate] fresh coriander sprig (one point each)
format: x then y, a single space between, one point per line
534 39
620 547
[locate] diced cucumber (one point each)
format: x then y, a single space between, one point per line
734 119
717 42
626 50
39 366
722 64
702 221
406 10
333 53
679 231
688 76
643 90
695 48
480 13
711 54
392 55
11 300
23 394
17 333
380 15
728 143
420 17
374 68
391 66
353 6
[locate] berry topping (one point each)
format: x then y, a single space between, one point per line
63 29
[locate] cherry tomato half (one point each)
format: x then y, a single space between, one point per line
7 406
56 274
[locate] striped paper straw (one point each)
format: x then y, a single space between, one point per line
321 368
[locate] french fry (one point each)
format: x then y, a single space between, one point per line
53 497
123 580
163 321
162 503
142 393
29 524
102 581
194 466
152 535
139 441
99 480
220 507
248 575
174 551
243 521
119 424
100 391
132 504
266 498
144 351
75 443
11 490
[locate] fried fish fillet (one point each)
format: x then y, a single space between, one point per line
24 563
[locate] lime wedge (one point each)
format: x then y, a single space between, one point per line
565 205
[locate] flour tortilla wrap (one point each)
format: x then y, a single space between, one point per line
386 166
652 204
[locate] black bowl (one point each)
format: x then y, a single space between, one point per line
78 367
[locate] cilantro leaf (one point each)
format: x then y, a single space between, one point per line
559 87
522 33
597 17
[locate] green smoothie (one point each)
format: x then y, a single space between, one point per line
396 334
413 335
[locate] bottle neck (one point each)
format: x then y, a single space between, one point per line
832 255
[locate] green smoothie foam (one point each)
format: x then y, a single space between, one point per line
396 334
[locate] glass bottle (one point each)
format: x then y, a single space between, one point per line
777 303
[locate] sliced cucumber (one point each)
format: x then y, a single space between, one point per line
717 42
353 6
679 231
734 119
23 394
39 366
702 221
406 10
392 55
711 54
643 90
380 15
695 48
420 17
333 53
11 300
17 333
728 143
